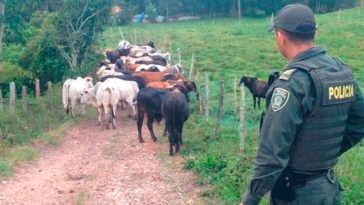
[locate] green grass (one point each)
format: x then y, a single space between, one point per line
227 51
44 122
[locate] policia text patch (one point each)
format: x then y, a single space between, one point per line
338 92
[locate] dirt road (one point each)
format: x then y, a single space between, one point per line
108 167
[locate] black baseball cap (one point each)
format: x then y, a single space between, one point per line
295 18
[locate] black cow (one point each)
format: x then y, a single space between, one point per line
257 88
120 64
150 102
175 111
138 79
153 62
151 44
115 54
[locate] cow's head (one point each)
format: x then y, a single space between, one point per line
88 82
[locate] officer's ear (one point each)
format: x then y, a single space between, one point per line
280 37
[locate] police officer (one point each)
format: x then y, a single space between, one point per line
315 112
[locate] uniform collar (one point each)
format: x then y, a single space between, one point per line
308 54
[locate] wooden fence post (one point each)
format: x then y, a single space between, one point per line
242 119
37 89
192 64
207 97
1 100
219 114
122 35
24 97
235 97
179 56
49 90
199 89
12 98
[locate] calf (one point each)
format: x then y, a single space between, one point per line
175 111
257 88
150 102
71 93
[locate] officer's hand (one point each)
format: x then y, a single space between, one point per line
241 204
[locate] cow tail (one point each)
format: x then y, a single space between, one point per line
65 96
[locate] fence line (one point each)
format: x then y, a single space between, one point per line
219 114
207 97
37 89
242 119
24 97
12 98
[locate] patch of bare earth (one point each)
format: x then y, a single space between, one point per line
103 167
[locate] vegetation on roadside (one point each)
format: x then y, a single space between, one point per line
227 50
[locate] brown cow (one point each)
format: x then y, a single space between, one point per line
165 84
156 76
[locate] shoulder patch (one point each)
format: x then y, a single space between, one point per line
279 98
286 75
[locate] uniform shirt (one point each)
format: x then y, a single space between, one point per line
282 121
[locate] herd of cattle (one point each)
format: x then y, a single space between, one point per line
142 79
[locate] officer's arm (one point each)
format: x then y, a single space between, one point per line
290 100
354 131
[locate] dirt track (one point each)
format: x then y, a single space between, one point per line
108 167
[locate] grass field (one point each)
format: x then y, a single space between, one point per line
227 50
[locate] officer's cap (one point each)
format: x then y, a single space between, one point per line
295 18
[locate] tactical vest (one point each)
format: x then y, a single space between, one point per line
318 140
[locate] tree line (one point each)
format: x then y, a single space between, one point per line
53 39
217 8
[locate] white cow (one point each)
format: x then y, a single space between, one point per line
169 68
71 93
128 91
124 44
108 70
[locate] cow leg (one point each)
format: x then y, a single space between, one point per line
100 114
165 131
140 124
131 108
113 112
150 126
72 107
259 103
254 102
170 149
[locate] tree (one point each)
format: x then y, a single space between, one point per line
77 28
2 24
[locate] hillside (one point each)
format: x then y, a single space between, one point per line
227 50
